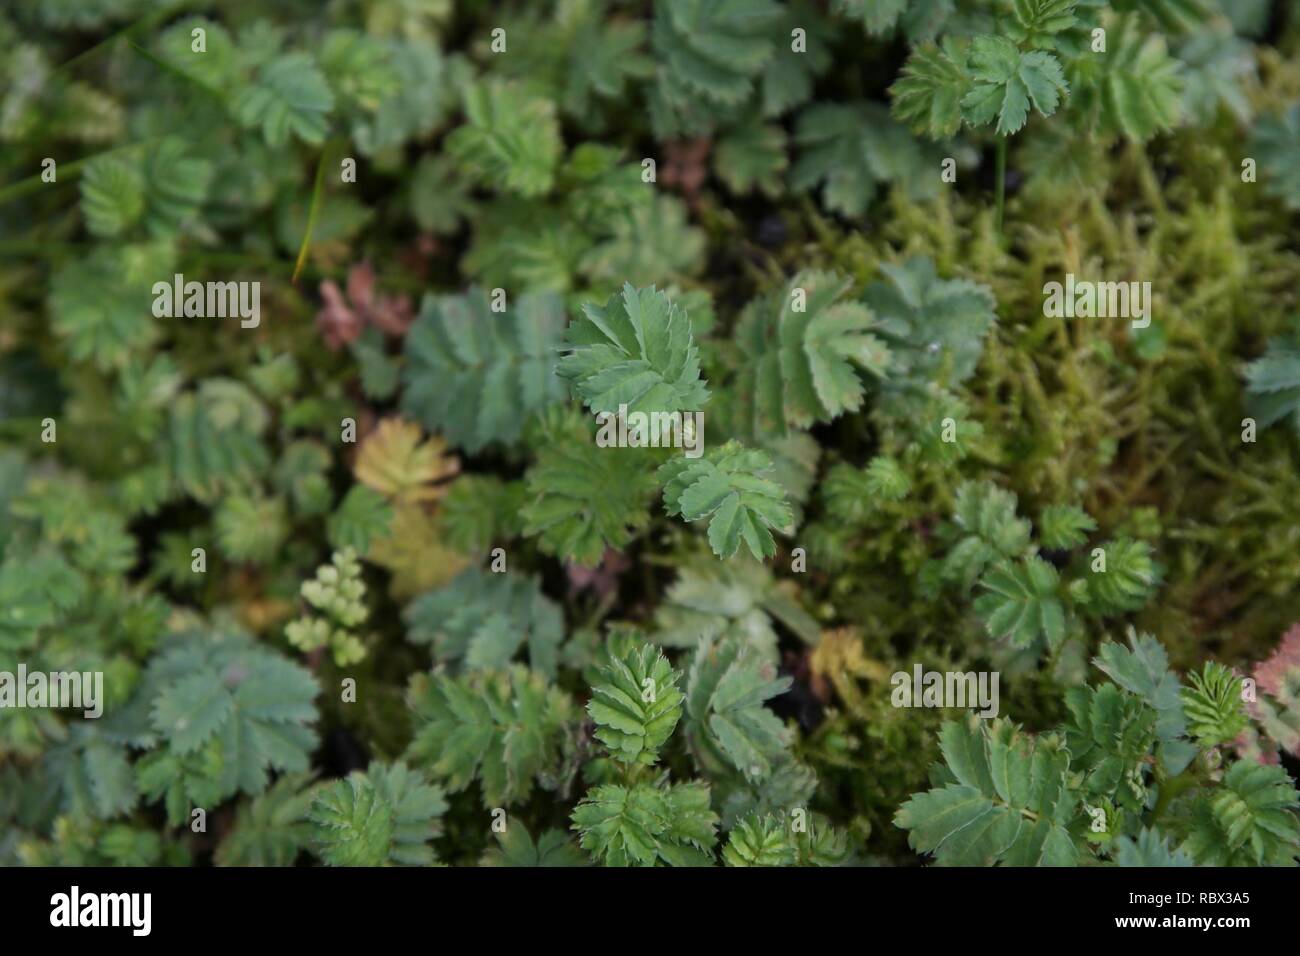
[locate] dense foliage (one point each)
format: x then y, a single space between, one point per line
367 581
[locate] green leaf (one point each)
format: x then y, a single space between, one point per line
1273 144
1250 820
191 711
511 140
877 16
929 93
992 531
183 782
358 70
475 375
642 825
758 841
801 351
251 528
727 727
714 600
1023 603
752 157
850 149
1150 848
1142 669
99 305
362 516
935 328
710 57
1006 81
1273 380
440 199
384 816
885 480
288 96
515 847
1213 705
636 704
256 703
212 442
638 351
503 728
1128 581
728 487
622 826
585 499
653 243
1064 526
482 620
1219 71
421 98
1007 800
1038 21
789 76
89 775
480 510
271 829
1135 90
1109 734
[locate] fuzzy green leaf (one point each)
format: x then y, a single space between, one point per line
288 96
1007 800
503 728
483 619
475 375
729 488
511 140
638 351
1064 526
801 352
1023 603
384 816
636 704
727 726
1007 81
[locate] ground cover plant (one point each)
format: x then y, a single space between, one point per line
650 433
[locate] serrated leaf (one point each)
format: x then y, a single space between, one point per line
511 139
850 149
637 351
397 461
585 499
727 728
288 96
362 516
802 351
1064 526
1023 603
978 819
729 488
482 620
475 375
636 704
929 93
384 816
502 728
1007 81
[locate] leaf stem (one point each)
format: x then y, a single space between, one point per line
317 189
